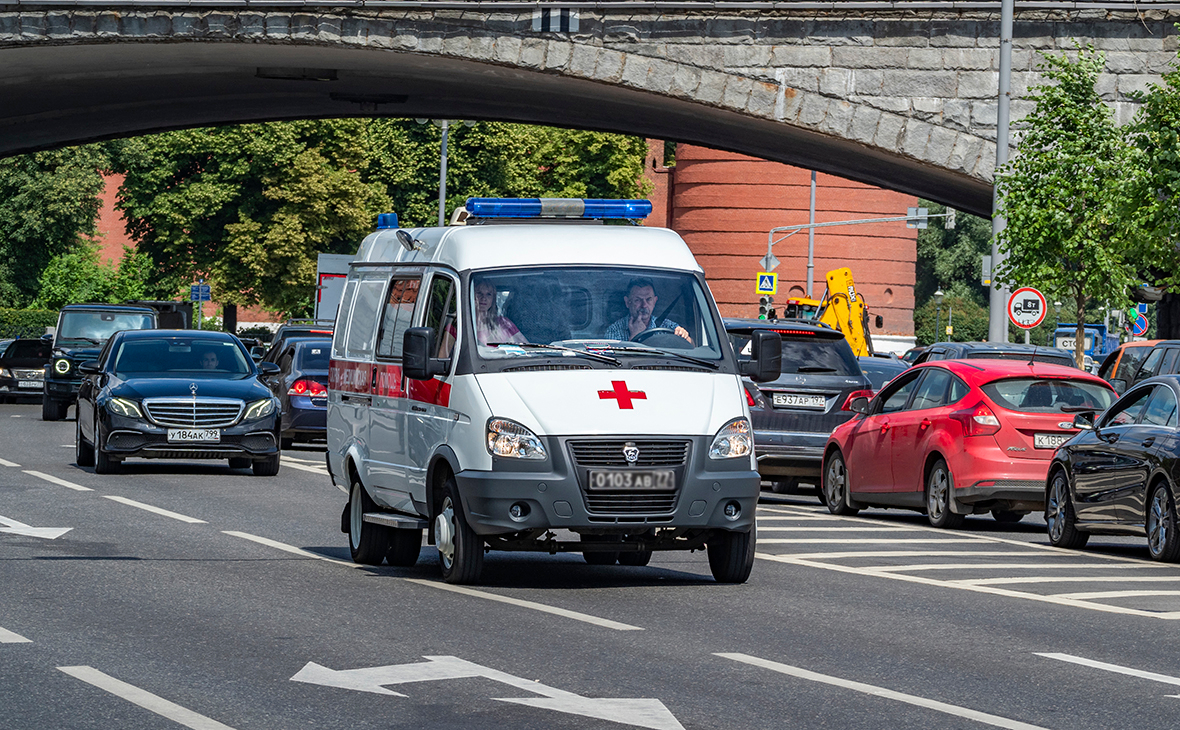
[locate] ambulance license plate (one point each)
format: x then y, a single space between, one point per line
654 479
199 435
794 400
29 384
1050 440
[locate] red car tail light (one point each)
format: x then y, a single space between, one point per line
750 400
855 394
307 387
983 422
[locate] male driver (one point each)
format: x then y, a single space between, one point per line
209 360
641 305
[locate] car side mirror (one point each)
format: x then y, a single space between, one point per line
859 404
90 367
1084 421
766 357
269 368
1119 385
417 346
47 337
257 353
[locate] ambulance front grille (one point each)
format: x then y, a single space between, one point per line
629 502
609 453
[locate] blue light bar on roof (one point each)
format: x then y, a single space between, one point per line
386 220
557 208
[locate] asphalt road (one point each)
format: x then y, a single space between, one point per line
237 607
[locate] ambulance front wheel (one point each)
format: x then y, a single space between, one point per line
367 542
731 556
460 550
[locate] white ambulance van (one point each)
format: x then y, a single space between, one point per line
548 377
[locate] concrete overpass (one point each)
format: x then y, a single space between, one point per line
898 94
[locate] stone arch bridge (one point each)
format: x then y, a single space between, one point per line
897 93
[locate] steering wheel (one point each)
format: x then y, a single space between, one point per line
650 333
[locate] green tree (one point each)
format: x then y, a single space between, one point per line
249 207
950 259
79 276
1060 194
48 202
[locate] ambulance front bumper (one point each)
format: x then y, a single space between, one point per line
555 494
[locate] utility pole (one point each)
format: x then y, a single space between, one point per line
997 319
442 177
811 240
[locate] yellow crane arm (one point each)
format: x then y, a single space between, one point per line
845 310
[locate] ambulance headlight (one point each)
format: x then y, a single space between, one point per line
734 440
511 440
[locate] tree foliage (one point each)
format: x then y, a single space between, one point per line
48 202
79 276
1060 193
951 259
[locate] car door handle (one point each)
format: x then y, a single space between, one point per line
1149 441
884 427
925 424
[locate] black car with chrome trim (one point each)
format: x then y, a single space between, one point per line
1119 475
82 330
166 394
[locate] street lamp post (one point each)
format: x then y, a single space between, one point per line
938 295
445 126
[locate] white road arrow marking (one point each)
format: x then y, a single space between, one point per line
19 528
637 712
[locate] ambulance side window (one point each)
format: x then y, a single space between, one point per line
358 344
441 315
342 318
397 316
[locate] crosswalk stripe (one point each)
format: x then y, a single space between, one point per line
1114 594
862 541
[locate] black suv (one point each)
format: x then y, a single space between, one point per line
794 415
994 351
82 330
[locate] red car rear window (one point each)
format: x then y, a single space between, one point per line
1043 395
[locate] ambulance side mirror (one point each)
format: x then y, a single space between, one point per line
766 356
417 346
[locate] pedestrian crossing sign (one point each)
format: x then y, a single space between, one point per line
767 282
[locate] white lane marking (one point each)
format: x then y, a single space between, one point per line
805 528
156 510
863 541
1101 607
8 637
59 482
144 699
1112 668
304 461
288 548
1114 594
1070 579
6 462
301 467
964 712
14 416
761 517
67 446
907 554
13 527
585 618
997 566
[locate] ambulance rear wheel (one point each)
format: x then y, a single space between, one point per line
600 557
367 542
460 550
637 558
731 556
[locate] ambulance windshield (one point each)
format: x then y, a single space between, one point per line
620 312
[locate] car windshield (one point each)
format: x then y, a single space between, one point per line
880 372
616 312
1044 357
95 328
315 356
1048 395
187 357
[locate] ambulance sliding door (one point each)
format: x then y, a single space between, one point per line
390 463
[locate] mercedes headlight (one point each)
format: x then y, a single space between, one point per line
124 407
259 408
61 367
5 373
733 440
510 439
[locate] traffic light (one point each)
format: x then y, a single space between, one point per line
766 308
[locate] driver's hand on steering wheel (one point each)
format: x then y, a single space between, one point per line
680 331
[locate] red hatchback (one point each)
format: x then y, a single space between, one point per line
959 437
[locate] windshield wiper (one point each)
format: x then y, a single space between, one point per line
91 340
814 369
559 348
666 353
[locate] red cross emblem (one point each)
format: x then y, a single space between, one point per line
622 395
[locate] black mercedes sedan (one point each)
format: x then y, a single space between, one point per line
1119 475
168 394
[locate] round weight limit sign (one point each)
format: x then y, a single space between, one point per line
1026 307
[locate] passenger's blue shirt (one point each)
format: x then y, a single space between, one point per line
621 330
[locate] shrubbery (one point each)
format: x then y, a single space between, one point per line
26 322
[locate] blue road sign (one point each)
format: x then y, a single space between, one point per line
1139 328
199 293
1142 309
767 282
